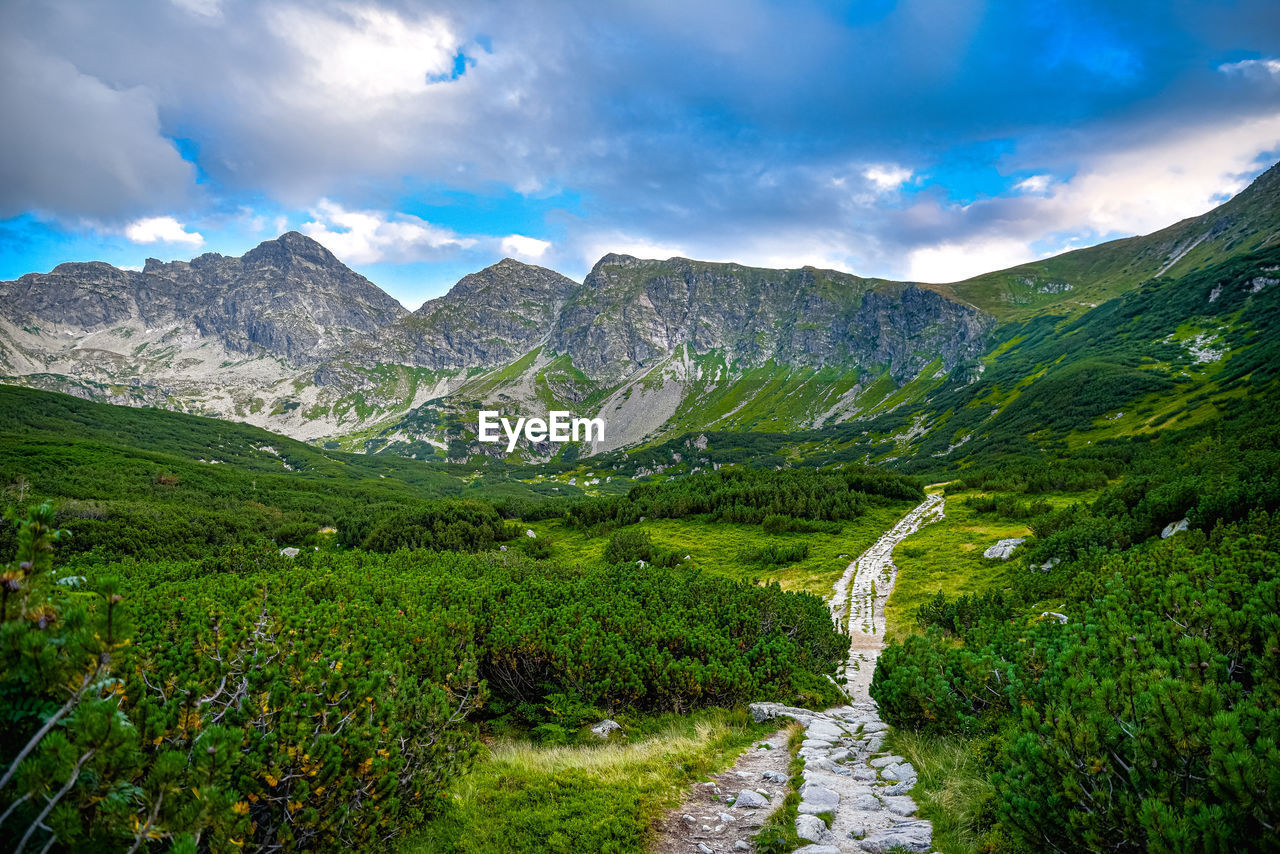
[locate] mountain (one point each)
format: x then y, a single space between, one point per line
288 338
1073 282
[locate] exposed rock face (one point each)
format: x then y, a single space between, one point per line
291 339
629 314
487 318
289 297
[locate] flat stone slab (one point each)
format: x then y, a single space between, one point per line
815 799
865 803
901 771
911 835
824 730
817 849
901 805
882 761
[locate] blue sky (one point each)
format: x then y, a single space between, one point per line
926 141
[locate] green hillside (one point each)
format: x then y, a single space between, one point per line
1070 283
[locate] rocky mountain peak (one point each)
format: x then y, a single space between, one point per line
289 249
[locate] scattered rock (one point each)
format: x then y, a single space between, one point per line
775 776
742 845
606 728
750 800
1173 528
289 552
702 847
1061 618
1003 550
530 534
811 828
817 849
900 788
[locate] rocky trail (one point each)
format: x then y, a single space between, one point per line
854 796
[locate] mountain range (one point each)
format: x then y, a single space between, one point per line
288 338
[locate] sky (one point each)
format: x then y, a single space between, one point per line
922 141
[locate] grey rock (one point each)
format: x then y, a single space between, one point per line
1173 528
901 805
865 803
775 776
883 761
702 847
899 771
606 728
817 848
815 799
811 828
900 788
1004 549
750 800
290 552
742 845
911 835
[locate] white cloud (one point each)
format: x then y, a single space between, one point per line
593 247
366 54
951 262
524 248
1036 184
367 237
202 8
161 229
1252 67
887 177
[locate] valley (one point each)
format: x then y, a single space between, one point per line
364 629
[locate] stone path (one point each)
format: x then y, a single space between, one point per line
716 816
854 796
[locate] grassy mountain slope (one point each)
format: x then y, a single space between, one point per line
1071 283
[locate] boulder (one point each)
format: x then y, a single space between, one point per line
1003 550
810 828
750 800
606 728
1173 528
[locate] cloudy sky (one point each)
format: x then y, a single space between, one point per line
927 141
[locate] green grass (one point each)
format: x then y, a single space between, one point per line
947 556
598 798
952 789
716 546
